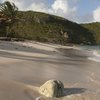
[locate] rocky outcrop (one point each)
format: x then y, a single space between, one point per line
52 88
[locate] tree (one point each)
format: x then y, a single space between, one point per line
9 11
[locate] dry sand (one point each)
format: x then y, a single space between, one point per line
24 66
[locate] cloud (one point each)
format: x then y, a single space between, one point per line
58 7
86 18
40 5
96 14
64 8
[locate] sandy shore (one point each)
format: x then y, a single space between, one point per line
24 66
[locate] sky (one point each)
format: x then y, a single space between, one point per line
80 11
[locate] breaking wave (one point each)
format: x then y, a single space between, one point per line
96 56
94 52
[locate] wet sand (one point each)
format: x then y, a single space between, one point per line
24 66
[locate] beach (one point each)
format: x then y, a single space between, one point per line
25 66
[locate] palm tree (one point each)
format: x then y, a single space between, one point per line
9 11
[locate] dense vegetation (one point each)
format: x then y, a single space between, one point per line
48 28
95 29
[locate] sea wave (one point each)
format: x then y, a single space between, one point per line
94 52
96 56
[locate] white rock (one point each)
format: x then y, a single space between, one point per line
52 88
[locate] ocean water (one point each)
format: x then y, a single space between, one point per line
95 52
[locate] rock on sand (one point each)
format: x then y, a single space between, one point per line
52 88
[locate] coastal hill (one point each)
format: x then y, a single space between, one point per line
49 28
95 29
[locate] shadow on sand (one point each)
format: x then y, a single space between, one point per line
71 91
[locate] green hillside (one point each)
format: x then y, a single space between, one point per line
48 28
95 29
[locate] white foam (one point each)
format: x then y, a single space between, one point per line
95 57
96 53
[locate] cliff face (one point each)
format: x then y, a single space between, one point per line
48 28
